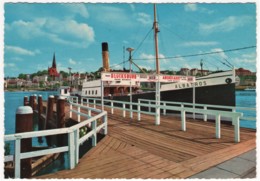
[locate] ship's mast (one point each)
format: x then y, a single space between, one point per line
157 94
156 31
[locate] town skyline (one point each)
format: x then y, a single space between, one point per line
75 35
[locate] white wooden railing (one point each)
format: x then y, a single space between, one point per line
234 116
201 106
74 141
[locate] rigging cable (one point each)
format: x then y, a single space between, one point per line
199 54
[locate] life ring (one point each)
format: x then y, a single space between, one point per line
228 80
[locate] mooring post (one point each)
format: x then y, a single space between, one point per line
40 110
60 107
31 101
49 115
25 101
24 123
34 102
41 121
49 119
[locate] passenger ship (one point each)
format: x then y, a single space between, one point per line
216 88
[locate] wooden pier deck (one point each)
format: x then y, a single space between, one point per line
140 149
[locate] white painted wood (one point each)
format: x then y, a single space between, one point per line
218 126
43 152
183 120
94 136
17 159
71 150
124 110
205 116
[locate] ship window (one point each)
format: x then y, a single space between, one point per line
118 82
86 92
89 92
65 91
92 92
96 92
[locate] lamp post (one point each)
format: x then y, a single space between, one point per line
130 71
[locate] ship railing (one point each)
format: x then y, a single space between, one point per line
98 123
218 114
203 106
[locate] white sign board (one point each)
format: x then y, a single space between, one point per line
122 76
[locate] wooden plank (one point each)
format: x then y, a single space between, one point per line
139 149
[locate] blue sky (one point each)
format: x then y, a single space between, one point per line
33 32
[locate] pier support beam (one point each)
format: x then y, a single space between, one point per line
24 123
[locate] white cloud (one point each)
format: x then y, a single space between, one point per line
72 62
77 8
221 54
144 18
190 7
56 30
9 65
70 27
195 7
132 6
199 43
21 51
115 16
225 25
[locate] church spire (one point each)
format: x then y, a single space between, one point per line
54 61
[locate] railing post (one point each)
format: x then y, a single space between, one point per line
149 103
71 141
164 109
218 126
17 160
78 116
138 111
124 110
87 102
236 122
112 107
89 112
70 110
205 116
233 110
105 121
94 103
76 136
131 110
183 120
94 136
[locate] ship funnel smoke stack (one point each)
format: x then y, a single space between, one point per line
105 56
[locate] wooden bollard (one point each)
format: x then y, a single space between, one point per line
49 115
60 108
24 123
25 101
49 118
32 102
41 121
40 111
